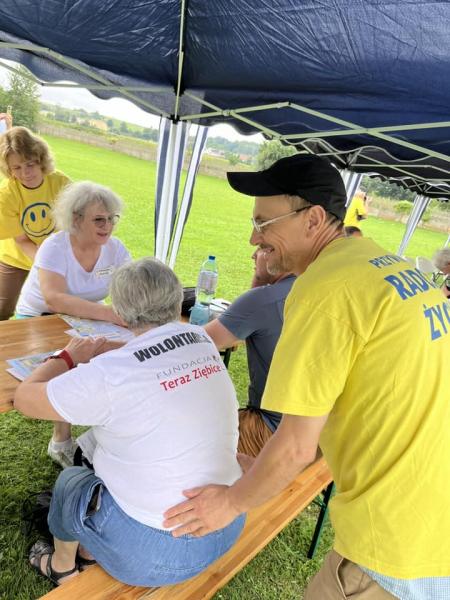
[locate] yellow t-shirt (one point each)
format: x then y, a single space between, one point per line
356 209
366 338
24 210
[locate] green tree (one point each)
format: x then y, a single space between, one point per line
23 95
232 158
386 189
270 152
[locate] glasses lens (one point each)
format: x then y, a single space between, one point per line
101 221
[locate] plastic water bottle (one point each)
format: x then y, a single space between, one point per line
204 292
207 281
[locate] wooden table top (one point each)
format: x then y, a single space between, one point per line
22 337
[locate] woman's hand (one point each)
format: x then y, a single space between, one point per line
81 350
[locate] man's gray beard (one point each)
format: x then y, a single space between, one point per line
275 269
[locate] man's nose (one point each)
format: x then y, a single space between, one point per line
255 238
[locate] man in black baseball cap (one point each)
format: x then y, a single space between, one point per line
295 191
359 365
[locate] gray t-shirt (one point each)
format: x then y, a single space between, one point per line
257 318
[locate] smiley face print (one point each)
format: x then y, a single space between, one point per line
37 220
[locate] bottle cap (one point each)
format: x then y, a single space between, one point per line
211 257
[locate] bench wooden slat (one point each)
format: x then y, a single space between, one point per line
263 524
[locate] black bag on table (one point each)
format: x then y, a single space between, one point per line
188 301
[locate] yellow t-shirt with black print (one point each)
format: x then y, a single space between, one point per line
356 209
24 210
366 339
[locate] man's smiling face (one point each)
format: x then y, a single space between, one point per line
282 243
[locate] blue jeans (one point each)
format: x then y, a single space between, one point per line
128 550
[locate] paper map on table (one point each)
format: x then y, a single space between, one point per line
91 328
23 366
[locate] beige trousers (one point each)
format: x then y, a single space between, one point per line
253 432
341 579
11 282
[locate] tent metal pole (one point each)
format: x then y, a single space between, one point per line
77 66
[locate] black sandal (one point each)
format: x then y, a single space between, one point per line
42 548
84 563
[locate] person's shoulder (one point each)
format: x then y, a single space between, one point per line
275 291
116 245
8 186
58 177
264 295
55 240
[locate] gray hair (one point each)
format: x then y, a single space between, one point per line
297 202
442 259
76 197
146 292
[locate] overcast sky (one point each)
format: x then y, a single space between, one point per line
116 108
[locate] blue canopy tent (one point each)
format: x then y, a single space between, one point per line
364 82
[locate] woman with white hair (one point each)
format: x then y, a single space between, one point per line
72 272
163 412
442 261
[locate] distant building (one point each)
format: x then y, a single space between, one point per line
98 124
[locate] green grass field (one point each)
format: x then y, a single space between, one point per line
220 224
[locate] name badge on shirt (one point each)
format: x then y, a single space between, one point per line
101 273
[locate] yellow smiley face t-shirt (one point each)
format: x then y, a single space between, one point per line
28 211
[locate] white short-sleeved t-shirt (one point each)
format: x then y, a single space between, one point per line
164 415
56 255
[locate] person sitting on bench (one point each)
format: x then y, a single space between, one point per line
257 318
164 413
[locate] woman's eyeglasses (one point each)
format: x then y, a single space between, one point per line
101 221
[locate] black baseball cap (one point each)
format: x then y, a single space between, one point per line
311 177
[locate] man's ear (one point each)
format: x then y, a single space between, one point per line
316 218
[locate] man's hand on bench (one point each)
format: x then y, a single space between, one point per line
208 508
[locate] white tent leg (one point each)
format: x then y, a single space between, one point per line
351 182
171 149
199 144
420 206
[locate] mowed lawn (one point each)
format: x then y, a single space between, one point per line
219 224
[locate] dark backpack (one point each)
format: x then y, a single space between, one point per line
35 512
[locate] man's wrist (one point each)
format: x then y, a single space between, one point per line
234 501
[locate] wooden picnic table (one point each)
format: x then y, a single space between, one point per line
21 337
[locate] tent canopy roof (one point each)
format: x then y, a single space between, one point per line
363 80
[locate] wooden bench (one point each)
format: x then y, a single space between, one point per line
263 524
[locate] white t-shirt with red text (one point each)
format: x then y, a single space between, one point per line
164 415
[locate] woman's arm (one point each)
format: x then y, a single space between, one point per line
54 291
31 395
27 246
